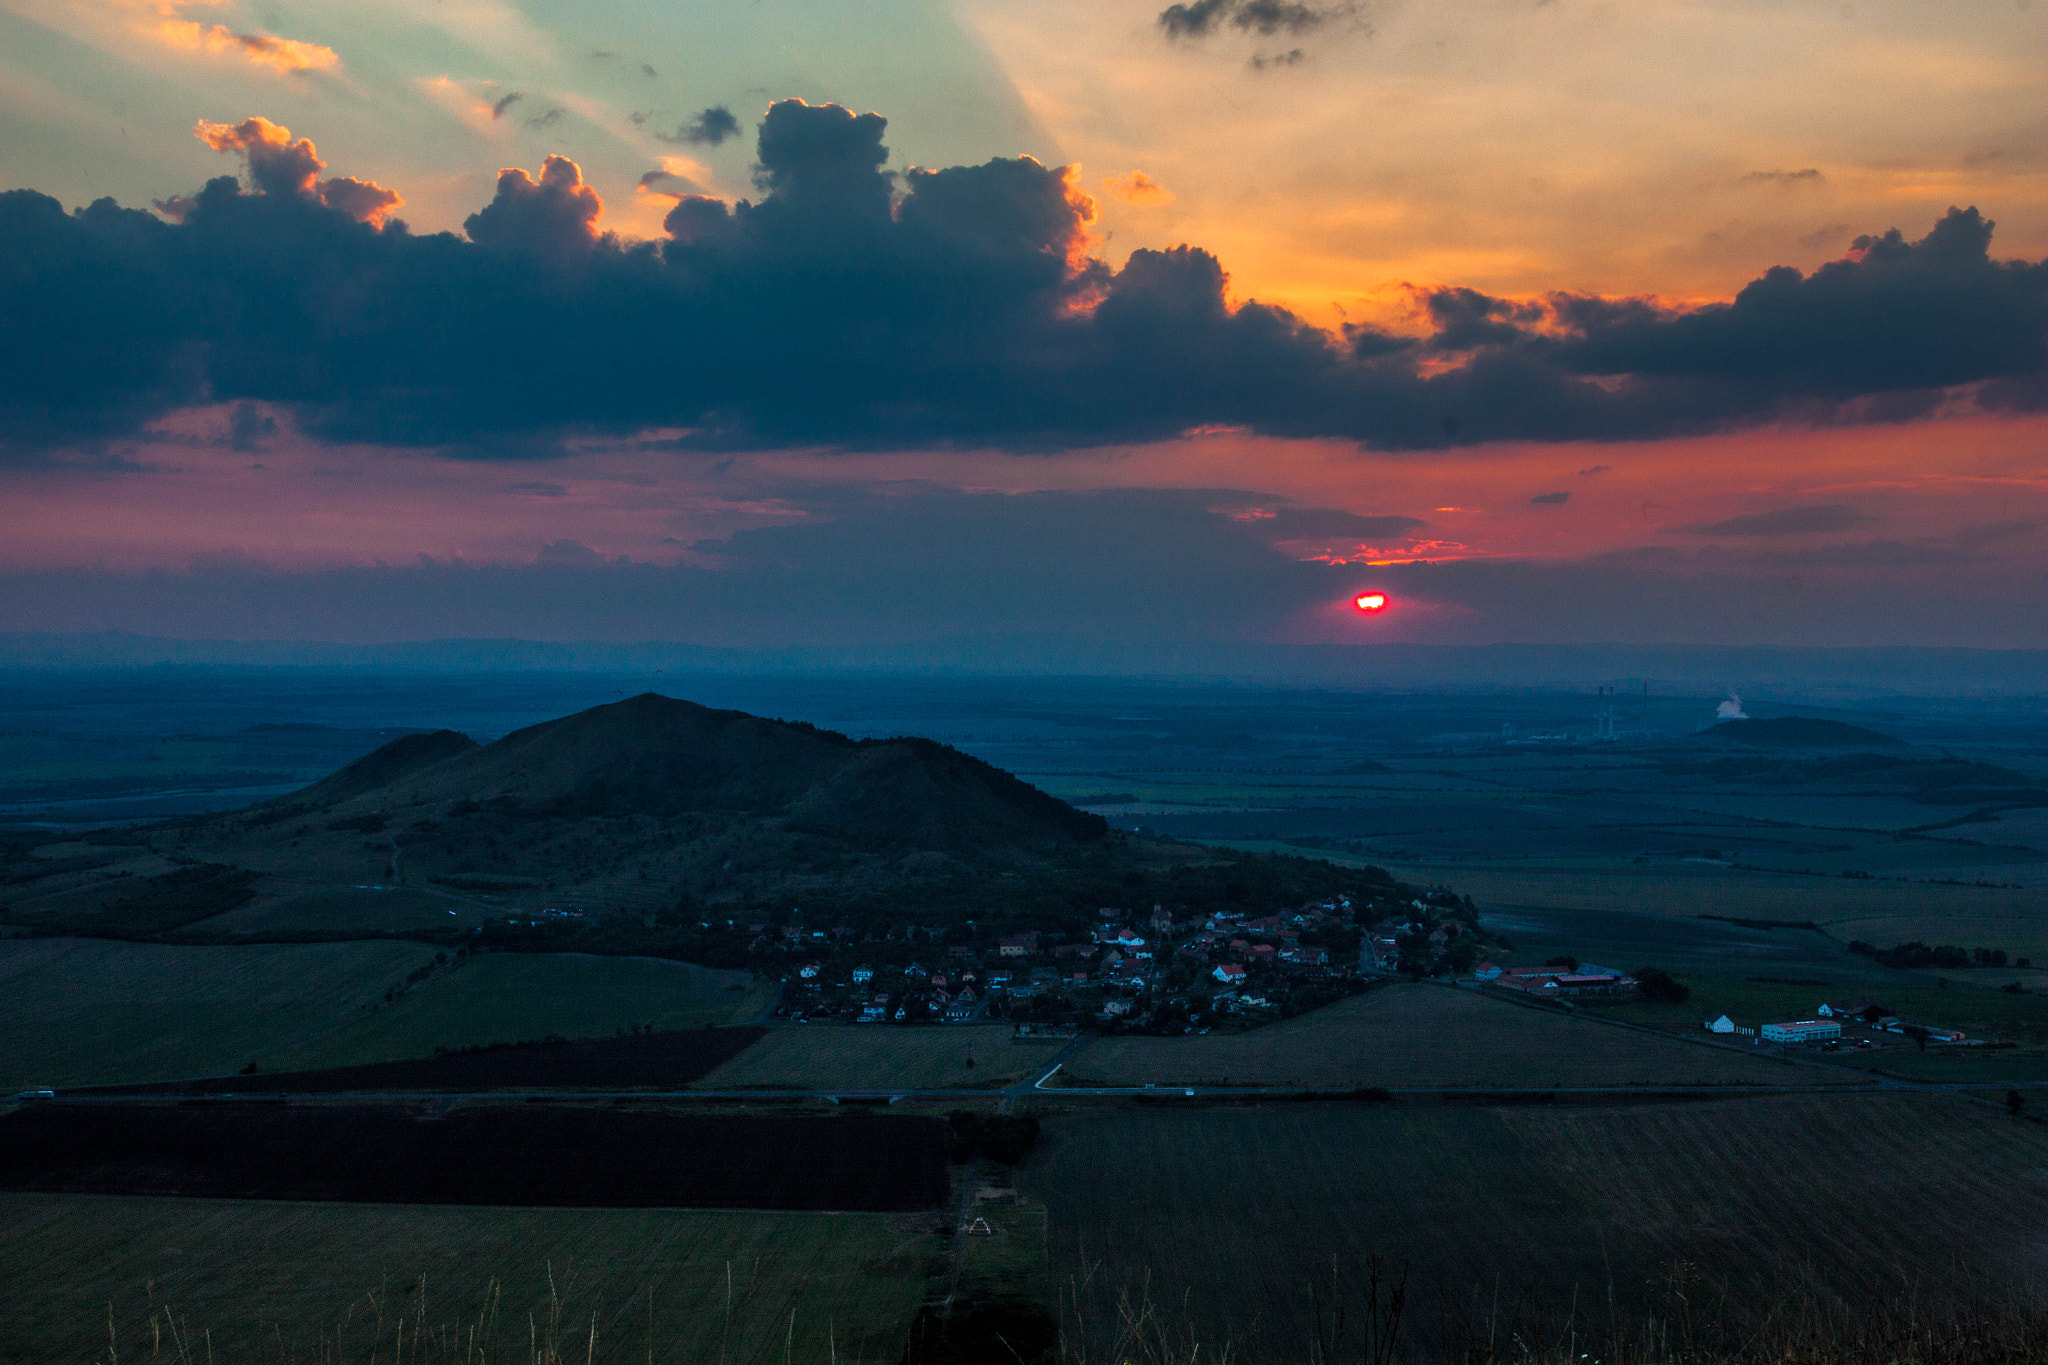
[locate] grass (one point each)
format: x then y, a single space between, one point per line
1973 1006
1424 1035
514 997
1875 911
248 1280
1224 1217
90 1011
882 1057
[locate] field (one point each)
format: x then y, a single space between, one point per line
96 1012
483 1154
881 1057
1224 1218
1421 1035
259 1280
643 1061
1881 912
517 997
93 1012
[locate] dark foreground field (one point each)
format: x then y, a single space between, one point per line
275 1282
525 1154
1527 1219
639 1061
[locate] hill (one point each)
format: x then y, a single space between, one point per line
1801 732
645 825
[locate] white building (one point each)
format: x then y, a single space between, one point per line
1802 1031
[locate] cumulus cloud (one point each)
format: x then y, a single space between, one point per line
280 164
1784 521
555 215
848 305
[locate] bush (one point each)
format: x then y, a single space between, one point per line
1658 985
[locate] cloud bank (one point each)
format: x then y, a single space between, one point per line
852 306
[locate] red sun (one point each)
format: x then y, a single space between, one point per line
1372 601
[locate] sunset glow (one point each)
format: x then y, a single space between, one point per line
1372 601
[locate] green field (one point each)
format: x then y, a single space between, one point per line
96 1012
1881 912
881 1057
516 997
1423 1035
261 1280
1223 1218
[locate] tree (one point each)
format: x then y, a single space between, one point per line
1658 985
2014 1102
1567 961
1917 1034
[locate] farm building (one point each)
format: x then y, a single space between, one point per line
1486 971
1802 1031
1845 1009
1723 1024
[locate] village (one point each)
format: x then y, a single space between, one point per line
1127 971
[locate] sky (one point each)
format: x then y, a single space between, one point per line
1090 326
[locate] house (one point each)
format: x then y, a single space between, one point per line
1079 978
1802 1031
938 981
873 1014
961 1010
960 950
1845 1009
809 971
1161 922
914 970
1128 940
1593 983
863 973
997 980
1486 971
1263 952
1230 974
1113 1008
1074 950
1723 1024
1017 945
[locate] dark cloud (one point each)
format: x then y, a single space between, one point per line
1200 18
555 215
1323 523
1292 57
249 427
1596 469
1785 521
1550 499
505 102
1809 176
709 129
547 119
846 306
539 490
